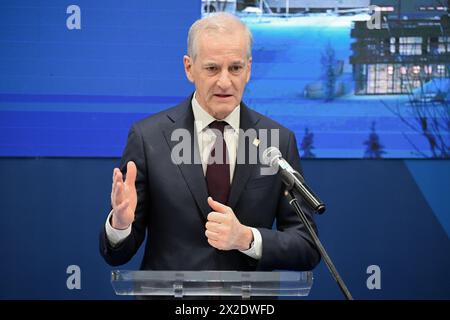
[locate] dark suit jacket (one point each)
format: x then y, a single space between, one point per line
172 202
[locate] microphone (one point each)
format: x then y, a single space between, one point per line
291 178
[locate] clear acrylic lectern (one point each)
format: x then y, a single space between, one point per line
212 283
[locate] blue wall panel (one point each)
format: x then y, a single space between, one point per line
52 211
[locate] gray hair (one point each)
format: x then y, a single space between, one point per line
218 22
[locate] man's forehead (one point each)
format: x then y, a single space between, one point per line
210 37
217 62
233 54
234 28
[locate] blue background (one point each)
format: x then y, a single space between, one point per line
67 99
76 92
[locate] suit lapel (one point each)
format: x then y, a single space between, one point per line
243 169
182 118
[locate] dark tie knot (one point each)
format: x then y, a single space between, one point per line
218 125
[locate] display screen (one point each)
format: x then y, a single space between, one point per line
358 80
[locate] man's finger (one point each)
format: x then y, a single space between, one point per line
213 226
114 194
215 244
117 195
217 206
117 175
131 174
212 235
216 217
114 174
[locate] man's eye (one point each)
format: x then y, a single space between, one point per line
211 69
236 69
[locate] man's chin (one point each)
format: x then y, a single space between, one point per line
222 111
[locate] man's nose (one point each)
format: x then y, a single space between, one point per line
224 81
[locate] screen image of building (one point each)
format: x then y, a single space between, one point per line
295 6
212 6
412 9
409 48
282 6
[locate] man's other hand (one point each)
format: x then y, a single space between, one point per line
223 229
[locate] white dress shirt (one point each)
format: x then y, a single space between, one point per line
206 139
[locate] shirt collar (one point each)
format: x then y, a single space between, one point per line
203 119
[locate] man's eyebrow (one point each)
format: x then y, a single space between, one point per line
215 64
207 64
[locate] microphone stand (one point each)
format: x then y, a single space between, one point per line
294 203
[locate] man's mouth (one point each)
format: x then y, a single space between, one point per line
223 95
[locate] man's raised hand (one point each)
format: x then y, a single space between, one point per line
124 197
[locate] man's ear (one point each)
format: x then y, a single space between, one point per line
187 61
249 66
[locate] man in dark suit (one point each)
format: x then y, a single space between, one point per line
191 182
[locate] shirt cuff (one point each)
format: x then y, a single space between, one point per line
115 236
255 250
